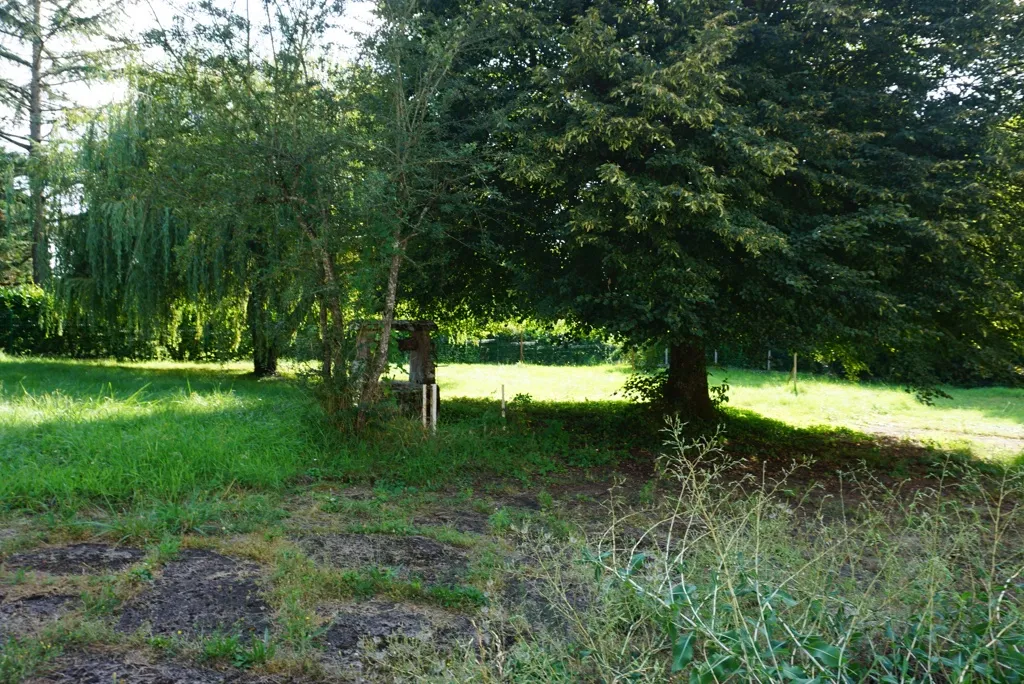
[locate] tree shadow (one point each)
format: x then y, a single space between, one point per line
90 379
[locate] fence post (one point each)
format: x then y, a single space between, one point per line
503 403
423 406
666 357
795 390
433 410
769 359
716 357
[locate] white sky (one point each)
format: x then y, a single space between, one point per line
142 15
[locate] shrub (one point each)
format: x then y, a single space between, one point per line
26 318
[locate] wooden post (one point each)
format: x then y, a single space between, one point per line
795 390
521 358
666 357
769 359
433 409
423 407
716 357
503 402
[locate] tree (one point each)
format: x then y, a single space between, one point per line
41 48
784 172
15 223
226 180
420 181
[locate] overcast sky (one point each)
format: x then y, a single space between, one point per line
142 15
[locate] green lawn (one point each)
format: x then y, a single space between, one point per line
76 433
167 457
988 421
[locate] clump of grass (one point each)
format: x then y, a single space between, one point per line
298 579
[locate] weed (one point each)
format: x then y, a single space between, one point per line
259 651
457 597
166 550
20 658
300 627
218 646
103 600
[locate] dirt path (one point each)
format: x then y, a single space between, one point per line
995 442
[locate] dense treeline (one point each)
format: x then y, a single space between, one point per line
843 183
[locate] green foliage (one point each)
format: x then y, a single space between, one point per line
797 178
767 612
26 314
20 658
259 651
15 224
33 321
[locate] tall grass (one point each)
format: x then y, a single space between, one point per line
730 577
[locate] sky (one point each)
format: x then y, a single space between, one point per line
140 16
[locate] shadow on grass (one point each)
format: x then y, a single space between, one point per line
231 432
89 379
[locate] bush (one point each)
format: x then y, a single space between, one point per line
32 323
26 319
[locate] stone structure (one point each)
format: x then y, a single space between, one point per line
422 368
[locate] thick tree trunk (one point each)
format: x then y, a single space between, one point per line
35 118
264 347
264 363
687 387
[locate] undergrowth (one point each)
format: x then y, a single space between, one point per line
721 577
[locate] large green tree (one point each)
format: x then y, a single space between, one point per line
791 173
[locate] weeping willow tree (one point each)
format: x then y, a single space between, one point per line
225 187
121 264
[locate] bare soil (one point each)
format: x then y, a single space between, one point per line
410 557
77 559
374 624
101 668
30 613
199 593
457 519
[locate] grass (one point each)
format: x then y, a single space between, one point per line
988 421
96 432
155 435
874 561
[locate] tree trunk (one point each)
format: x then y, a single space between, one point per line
264 363
35 117
371 382
325 340
264 347
687 388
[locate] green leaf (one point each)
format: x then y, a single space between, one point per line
682 651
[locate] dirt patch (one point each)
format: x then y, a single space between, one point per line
30 613
459 520
411 557
359 630
88 668
531 598
525 501
77 559
199 593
